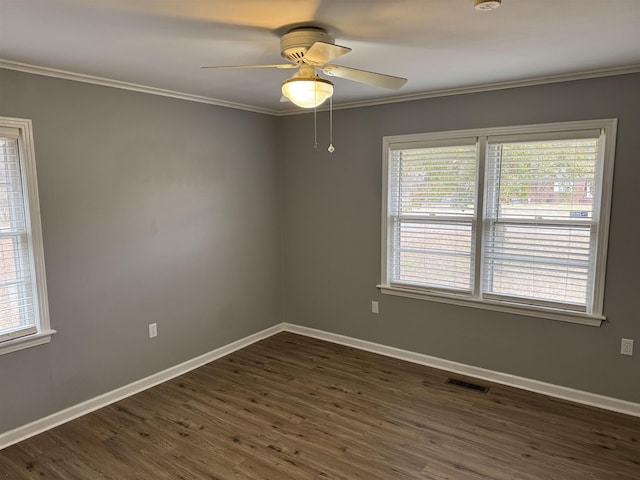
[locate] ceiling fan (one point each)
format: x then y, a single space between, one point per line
310 49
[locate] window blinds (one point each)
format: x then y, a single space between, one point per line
431 214
539 238
512 219
17 316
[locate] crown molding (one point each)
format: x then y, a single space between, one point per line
106 82
488 87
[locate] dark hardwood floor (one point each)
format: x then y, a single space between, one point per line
292 407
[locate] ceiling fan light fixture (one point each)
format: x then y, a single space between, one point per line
307 92
485 5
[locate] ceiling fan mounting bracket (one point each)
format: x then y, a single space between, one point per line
295 44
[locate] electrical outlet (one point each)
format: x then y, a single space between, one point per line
375 308
626 346
153 330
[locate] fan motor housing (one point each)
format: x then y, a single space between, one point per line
294 45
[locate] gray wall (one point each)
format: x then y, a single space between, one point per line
332 225
161 210
153 210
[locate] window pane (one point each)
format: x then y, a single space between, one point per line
547 263
436 255
543 180
540 198
431 205
12 217
16 292
434 181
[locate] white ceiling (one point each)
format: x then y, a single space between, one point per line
436 44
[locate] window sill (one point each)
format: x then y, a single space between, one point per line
548 313
26 342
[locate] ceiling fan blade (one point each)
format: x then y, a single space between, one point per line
229 67
364 76
320 53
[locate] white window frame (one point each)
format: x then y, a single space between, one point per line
594 314
41 332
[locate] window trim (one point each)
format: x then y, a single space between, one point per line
595 318
34 237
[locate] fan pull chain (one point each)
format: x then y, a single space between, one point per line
331 148
315 111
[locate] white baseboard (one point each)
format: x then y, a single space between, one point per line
557 391
31 429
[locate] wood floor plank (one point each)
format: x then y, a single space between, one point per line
298 408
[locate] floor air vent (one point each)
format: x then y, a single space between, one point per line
471 386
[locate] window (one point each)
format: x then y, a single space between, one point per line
24 318
512 219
